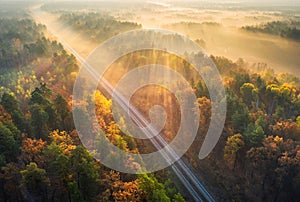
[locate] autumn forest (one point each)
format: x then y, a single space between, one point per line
43 158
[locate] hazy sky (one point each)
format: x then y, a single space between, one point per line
264 2
257 2
281 2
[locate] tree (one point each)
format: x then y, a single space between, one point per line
178 198
204 105
254 135
286 129
263 162
9 182
118 190
21 122
103 109
240 120
84 173
8 145
63 140
64 116
233 145
32 151
260 83
239 80
85 127
58 169
237 112
201 90
275 167
35 181
273 94
298 121
14 130
249 94
224 65
155 191
11 105
38 97
113 129
102 145
39 121
4 116
288 171
42 108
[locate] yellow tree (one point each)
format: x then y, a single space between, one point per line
63 140
119 190
234 144
103 109
32 151
250 94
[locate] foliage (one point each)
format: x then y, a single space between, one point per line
20 48
155 190
279 28
42 157
8 144
35 181
233 145
40 152
98 27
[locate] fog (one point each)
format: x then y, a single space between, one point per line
218 26
220 31
278 53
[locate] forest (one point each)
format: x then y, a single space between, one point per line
96 25
257 157
289 30
41 154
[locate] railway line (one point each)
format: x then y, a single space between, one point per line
192 184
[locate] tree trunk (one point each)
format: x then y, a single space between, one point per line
53 195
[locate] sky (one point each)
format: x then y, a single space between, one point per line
263 2
256 2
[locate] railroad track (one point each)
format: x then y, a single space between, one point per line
192 184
